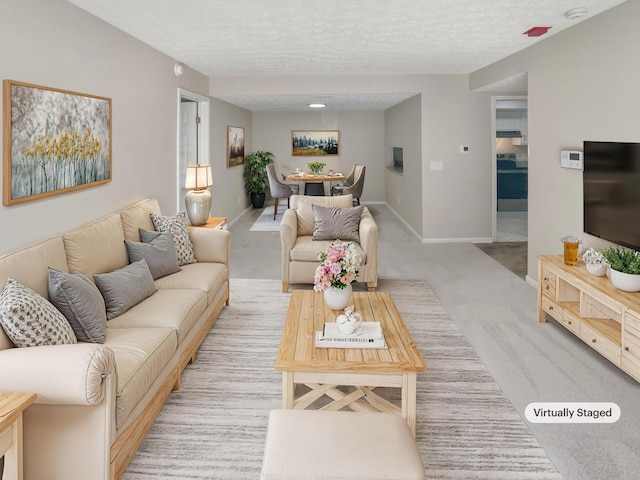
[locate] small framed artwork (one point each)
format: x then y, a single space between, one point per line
235 146
315 143
55 141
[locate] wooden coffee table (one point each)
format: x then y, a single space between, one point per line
323 370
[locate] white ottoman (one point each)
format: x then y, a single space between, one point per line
318 444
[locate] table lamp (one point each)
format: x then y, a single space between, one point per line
198 198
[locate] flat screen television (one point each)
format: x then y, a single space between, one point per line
611 186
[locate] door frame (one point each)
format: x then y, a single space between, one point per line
203 134
494 163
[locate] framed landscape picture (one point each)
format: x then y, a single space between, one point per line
55 141
235 146
315 143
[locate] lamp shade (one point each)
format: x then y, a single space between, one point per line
198 177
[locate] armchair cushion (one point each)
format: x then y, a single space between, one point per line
336 223
302 204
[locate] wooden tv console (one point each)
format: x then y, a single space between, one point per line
593 309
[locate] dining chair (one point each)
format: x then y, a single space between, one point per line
356 185
295 188
277 188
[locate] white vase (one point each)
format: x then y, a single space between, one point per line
625 281
337 298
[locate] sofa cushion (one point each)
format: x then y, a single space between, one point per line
141 354
336 223
30 320
28 266
307 250
178 309
97 247
80 302
176 225
139 216
125 287
157 249
203 276
302 204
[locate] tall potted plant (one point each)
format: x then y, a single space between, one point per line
255 176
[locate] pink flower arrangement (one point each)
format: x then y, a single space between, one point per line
338 267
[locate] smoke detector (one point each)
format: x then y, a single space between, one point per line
576 13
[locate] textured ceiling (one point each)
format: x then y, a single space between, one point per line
258 38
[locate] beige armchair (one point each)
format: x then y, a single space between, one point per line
300 251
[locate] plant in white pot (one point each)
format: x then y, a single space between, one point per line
624 268
596 264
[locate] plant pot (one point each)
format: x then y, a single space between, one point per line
597 269
337 298
257 200
625 281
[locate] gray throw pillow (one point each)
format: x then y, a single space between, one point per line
30 320
177 227
125 288
159 251
80 302
337 223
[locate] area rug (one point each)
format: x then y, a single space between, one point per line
265 222
214 427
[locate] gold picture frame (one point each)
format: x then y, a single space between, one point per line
315 143
55 141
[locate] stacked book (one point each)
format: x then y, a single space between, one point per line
368 335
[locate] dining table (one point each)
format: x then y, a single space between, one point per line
314 182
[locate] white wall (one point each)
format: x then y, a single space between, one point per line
583 85
228 197
403 128
55 44
361 141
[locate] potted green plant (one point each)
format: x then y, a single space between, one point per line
624 266
255 176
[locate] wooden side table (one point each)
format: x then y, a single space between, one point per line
217 223
11 407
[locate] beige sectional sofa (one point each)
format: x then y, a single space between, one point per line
96 401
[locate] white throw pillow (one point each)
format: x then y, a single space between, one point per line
177 227
30 320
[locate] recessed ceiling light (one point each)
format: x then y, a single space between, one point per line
576 13
317 105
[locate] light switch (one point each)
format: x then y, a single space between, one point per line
436 166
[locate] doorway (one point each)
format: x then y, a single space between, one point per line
510 165
193 138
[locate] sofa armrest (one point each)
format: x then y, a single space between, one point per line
288 230
59 374
211 245
368 233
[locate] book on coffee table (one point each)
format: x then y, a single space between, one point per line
368 335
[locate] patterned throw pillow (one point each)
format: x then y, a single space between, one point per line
30 320
177 227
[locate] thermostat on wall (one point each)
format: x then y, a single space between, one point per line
571 159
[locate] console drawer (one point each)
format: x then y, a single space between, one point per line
549 283
552 308
600 343
571 321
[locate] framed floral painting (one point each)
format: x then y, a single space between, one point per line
235 146
55 141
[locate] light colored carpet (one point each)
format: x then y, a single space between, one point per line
265 222
214 427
